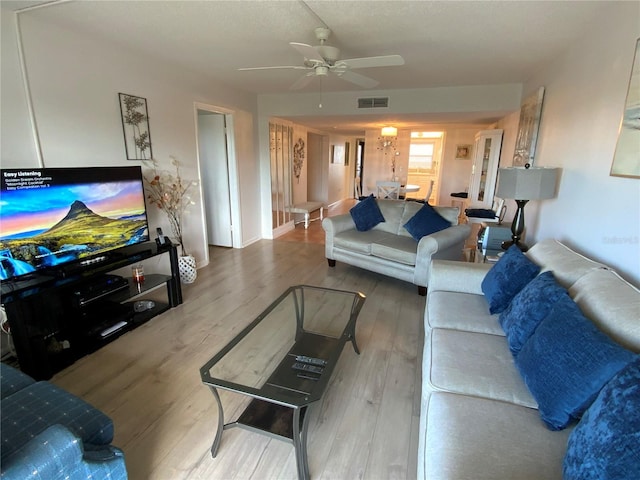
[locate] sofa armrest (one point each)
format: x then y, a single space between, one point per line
445 244
56 453
463 277
334 225
338 223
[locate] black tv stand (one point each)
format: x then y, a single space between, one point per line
55 320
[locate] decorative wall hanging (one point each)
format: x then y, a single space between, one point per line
463 152
135 127
337 154
298 158
626 159
530 113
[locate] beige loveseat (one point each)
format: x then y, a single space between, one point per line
388 248
478 419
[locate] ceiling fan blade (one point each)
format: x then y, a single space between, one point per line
308 52
294 67
368 62
302 82
358 79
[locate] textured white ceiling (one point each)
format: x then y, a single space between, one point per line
444 43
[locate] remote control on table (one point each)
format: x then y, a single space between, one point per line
313 361
305 367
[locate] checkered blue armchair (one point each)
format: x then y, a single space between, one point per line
49 434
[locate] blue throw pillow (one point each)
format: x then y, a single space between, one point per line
366 214
425 222
527 309
566 362
606 442
506 278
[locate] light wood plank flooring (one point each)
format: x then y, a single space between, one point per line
148 380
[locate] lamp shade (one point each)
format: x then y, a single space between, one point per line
527 183
389 132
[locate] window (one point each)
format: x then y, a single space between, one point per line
421 156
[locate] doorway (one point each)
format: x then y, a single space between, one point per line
359 167
425 159
216 172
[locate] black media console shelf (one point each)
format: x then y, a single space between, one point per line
56 320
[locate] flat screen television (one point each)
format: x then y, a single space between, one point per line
53 217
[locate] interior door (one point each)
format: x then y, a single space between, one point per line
213 152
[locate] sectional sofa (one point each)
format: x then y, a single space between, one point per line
388 247
502 400
49 434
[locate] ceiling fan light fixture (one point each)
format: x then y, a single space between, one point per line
389 132
329 53
322 71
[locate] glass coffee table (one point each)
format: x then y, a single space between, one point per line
284 360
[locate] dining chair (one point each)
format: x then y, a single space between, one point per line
388 190
357 189
429 191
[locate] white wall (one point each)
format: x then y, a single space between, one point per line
75 81
585 93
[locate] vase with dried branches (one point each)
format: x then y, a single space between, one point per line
170 193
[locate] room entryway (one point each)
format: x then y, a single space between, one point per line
215 170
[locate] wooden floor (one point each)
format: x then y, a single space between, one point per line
148 380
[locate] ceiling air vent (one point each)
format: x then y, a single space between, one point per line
373 102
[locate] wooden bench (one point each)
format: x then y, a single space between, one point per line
306 209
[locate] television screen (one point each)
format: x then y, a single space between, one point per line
53 216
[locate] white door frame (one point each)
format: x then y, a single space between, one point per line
234 189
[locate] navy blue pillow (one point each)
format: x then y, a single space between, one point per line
506 278
366 214
425 222
527 309
606 442
566 362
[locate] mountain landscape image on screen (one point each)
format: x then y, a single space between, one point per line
81 233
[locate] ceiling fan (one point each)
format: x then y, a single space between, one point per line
320 60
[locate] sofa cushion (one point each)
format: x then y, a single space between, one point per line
528 308
473 364
479 439
567 265
606 442
395 248
507 277
566 362
366 214
425 222
612 304
392 212
12 380
33 409
460 311
359 242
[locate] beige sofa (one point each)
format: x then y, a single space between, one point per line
388 248
478 419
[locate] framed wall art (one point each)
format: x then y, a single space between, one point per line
626 158
530 113
463 152
135 127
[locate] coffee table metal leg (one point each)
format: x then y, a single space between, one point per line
352 337
300 444
218 437
305 429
